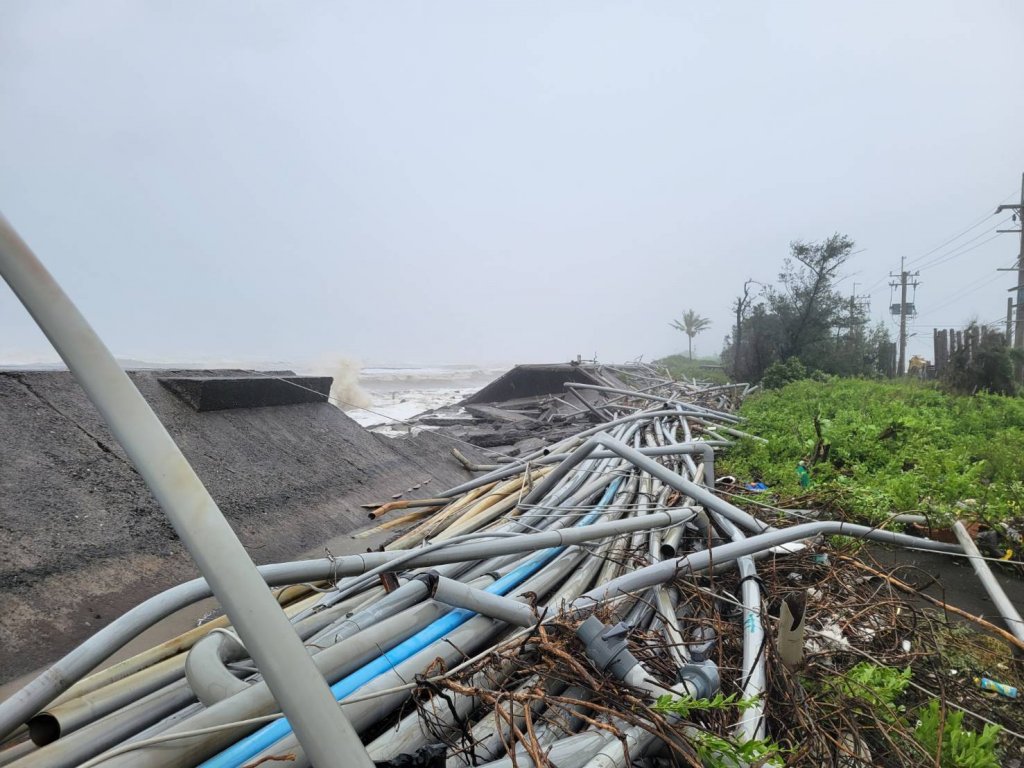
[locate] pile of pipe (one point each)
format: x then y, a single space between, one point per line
573 557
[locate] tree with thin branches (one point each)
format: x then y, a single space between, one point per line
691 325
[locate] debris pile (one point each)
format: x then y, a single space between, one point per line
588 599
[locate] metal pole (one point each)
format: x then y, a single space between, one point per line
1007 612
291 675
1018 339
903 319
1009 320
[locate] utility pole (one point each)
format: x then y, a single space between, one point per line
1018 337
856 300
904 310
1009 320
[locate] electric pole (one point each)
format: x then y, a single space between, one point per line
903 310
1018 336
857 302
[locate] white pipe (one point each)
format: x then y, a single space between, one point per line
995 591
297 685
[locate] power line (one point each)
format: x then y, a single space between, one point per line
942 245
976 224
953 297
957 252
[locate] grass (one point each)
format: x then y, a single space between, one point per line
875 448
700 368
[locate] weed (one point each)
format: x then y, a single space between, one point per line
961 748
892 447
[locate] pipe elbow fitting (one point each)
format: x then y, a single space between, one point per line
606 646
701 679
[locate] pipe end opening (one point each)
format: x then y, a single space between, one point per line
43 729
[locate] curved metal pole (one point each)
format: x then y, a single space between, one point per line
291 675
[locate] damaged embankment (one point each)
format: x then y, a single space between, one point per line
82 539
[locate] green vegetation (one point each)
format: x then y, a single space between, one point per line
805 318
871 692
683 707
960 747
716 750
872 688
875 448
701 369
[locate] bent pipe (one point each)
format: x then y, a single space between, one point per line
540 566
686 448
653 468
205 669
209 676
56 679
191 510
659 573
466 639
732 418
333 662
521 462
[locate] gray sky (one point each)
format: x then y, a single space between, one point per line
493 181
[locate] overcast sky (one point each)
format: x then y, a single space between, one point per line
494 181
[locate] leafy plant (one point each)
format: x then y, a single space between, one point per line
716 750
701 369
892 447
684 706
781 373
877 687
960 747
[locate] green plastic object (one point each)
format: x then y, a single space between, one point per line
804 474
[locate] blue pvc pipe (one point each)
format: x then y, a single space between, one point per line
250 746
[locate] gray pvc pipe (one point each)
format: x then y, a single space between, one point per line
10 753
205 669
700 495
667 476
1009 614
354 649
751 721
703 447
570 752
673 449
501 474
60 720
459 595
213 545
72 750
659 573
443 713
61 675
657 398
467 639
256 700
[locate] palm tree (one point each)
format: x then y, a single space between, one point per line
691 325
